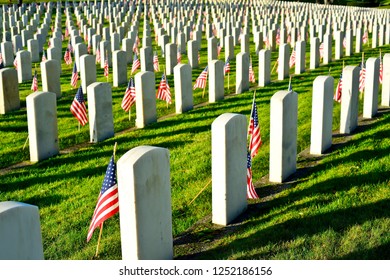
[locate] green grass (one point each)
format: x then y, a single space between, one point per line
328 213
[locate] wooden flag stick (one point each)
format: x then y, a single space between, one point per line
329 70
100 236
229 81
204 89
25 143
130 114
208 183
79 127
273 68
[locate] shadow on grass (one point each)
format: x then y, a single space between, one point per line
338 221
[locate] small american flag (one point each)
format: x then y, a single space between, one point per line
98 58
178 56
136 64
156 65
1 61
322 51
345 42
198 57
252 78
78 108
292 58
129 97
70 46
226 68
202 79
106 68
68 57
34 85
108 201
339 89
365 37
219 49
250 188
44 56
16 63
380 70
75 76
254 131
362 77
66 32
164 91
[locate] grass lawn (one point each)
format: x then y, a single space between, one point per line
338 208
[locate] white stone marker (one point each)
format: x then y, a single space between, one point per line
145 91
315 53
216 81
119 68
9 91
264 67
339 44
42 125
50 72
327 49
23 59
170 58
8 53
386 80
212 49
79 50
33 48
183 88
229 47
146 59
101 121
349 99
283 135
145 203
193 51
229 154
322 115
20 232
242 73
88 70
300 57
371 89
283 64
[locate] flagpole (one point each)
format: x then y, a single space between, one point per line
229 80
166 84
101 226
130 114
25 143
273 68
107 65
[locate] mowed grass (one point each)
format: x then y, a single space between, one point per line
65 187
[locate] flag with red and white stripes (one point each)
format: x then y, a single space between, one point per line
106 68
98 57
68 57
108 201
136 64
178 56
219 49
292 58
202 79
380 70
254 131
252 78
78 108
34 85
129 97
226 68
322 50
250 188
156 65
164 91
75 76
16 63
339 88
362 77
44 56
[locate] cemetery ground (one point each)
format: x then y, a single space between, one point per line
335 206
